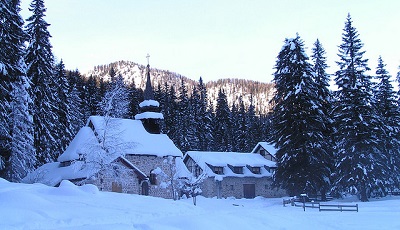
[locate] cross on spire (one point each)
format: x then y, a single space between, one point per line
148 57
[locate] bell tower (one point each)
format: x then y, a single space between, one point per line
149 108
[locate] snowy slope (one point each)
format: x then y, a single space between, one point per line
68 207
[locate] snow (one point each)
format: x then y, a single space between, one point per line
223 159
146 103
70 207
132 131
149 115
83 139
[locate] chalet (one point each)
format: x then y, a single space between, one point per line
232 174
120 155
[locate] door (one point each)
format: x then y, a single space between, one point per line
249 191
116 187
145 188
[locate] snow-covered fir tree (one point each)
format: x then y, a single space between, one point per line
40 61
65 131
91 98
115 102
203 119
16 142
222 124
388 110
79 101
184 124
324 96
361 165
298 124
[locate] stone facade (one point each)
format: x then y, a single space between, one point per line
130 182
234 187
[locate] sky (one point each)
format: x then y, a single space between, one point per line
214 39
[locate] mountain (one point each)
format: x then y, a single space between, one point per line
234 88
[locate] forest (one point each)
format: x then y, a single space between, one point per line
342 141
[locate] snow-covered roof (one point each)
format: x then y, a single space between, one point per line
149 115
234 159
267 146
149 103
129 135
79 145
51 173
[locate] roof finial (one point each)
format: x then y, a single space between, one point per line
148 57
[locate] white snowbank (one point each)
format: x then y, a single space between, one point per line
70 207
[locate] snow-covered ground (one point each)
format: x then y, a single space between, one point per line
37 206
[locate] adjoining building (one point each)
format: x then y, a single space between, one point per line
232 174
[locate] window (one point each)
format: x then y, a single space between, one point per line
238 170
232 188
262 152
256 170
153 178
219 170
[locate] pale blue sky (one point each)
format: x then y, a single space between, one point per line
214 38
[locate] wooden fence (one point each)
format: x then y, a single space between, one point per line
338 207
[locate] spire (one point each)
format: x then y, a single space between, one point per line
148 91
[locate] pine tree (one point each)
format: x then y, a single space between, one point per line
241 127
115 102
388 111
16 142
222 124
40 61
134 99
251 130
204 119
297 123
79 101
183 132
324 96
65 131
360 164
92 97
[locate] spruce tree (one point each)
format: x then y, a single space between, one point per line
222 124
204 128
324 96
79 102
360 161
40 61
65 130
16 142
115 102
183 133
389 113
298 124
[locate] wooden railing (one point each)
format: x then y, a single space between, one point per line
338 207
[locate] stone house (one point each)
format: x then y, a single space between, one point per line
232 174
120 155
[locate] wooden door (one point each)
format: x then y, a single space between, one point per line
116 187
249 191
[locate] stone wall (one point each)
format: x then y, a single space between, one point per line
233 187
147 164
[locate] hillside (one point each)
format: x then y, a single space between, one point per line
234 88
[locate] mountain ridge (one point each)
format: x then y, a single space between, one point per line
233 87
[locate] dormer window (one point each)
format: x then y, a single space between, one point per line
262 152
218 170
255 170
238 170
